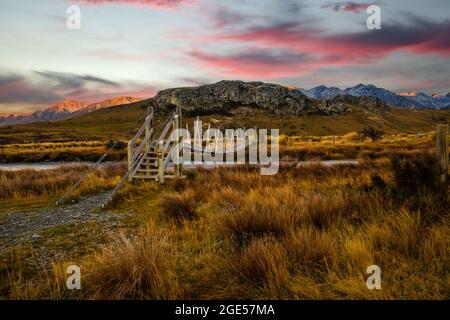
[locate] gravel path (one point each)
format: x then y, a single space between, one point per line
20 227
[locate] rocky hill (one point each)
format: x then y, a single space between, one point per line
224 96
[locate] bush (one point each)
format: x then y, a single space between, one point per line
415 174
116 145
372 133
417 181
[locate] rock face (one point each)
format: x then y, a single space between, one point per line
368 102
226 95
332 108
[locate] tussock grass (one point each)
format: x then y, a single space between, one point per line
139 269
179 207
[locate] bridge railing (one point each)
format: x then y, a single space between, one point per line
140 143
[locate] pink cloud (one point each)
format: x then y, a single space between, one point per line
347 6
160 4
322 49
253 65
422 38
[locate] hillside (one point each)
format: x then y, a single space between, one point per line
237 104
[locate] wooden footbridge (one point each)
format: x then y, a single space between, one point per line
149 152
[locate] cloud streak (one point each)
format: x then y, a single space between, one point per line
46 87
254 64
349 6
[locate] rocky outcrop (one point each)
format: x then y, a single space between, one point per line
368 102
226 95
331 108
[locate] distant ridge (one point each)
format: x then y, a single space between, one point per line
64 110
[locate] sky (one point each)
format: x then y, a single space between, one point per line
138 47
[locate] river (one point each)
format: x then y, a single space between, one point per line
16 166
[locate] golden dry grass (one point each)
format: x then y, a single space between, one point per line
29 183
306 233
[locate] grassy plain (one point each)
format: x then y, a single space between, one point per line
306 233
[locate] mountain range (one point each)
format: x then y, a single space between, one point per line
279 99
410 100
63 110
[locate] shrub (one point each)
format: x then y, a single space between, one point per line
116 145
372 133
415 174
417 181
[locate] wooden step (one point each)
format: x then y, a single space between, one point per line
146 177
150 161
146 170
153 177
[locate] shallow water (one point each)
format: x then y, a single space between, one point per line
16 166
39 166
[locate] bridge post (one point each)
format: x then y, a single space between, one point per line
176 126
129 159
148 127
180 143
160 156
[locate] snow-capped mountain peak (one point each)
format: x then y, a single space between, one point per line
411 99
64 110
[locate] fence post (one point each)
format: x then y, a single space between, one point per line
160 156
442 149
